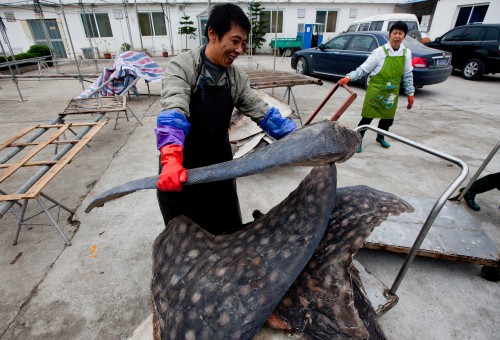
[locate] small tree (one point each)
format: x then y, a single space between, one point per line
186 28
259 26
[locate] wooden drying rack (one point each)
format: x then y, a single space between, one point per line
262 79
49 168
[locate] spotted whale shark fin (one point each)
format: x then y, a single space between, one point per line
322 301
225 287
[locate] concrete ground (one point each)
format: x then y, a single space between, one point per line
98 288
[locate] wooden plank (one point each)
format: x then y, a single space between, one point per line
35 190
41 163
64 141
454 236
12 197
95 105
268 78
10 140
67 124
14 167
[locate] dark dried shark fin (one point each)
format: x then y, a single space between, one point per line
321 302
225 287
320 143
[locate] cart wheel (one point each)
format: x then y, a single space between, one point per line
287 52
490 273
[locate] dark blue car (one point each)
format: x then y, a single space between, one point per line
347 51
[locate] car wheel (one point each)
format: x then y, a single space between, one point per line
473 69
287 52
302 67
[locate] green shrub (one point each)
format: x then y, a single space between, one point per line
22 56
2 59
39 50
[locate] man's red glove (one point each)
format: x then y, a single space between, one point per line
172 172
344 80
411 99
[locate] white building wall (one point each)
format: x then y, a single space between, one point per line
291 20
446 13
21 38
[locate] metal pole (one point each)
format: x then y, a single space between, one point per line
437 206
88 31
6 39
14 79
275 37
128 25
169 26
138 25
72 46
478 172
17 149
45 32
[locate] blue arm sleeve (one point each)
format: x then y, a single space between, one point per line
275 125
357 74
408 83
172 127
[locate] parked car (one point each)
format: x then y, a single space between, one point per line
347 51
384 22
475 49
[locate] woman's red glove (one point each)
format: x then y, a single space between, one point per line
172 172
411 99
344 80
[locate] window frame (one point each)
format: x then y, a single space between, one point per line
327 24
94 26
152 23
271 25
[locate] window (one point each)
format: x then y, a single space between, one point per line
455 35
327 18
473 34
412 25
376 26
471 14
491 34
152 24
270 18
364 27
362 43
352 28
96 25
337 43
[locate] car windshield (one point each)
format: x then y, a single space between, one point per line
408 42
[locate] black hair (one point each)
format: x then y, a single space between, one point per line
399 25
224 16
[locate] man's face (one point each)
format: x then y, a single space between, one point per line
224 51
396 38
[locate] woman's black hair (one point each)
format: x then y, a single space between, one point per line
224 16
399 25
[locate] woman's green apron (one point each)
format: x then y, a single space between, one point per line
383 91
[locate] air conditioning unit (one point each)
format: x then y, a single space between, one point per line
87 53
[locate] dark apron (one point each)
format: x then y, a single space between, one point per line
213 206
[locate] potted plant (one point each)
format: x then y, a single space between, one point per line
125 47
164 51
186 28
105 45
